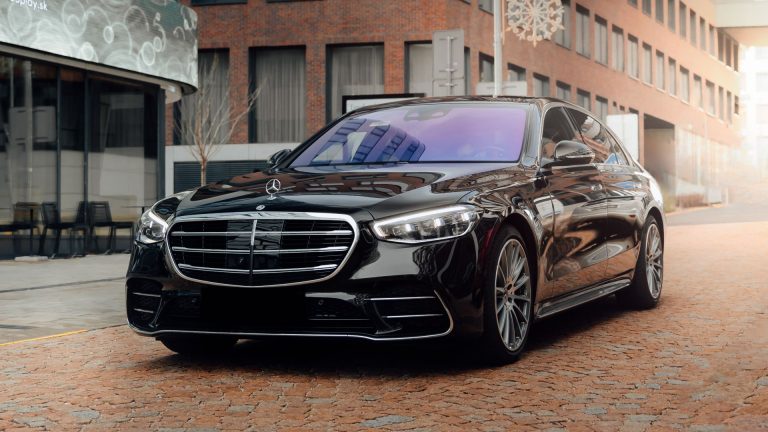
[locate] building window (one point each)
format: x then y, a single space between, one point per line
122 158
280 76
563 91
660 70
71 137
683 19
583 99
728 52
720 46
672 79
617 49
660 11
467 71
685 84
632 56
601 107
632 3
486 5
28 135
693 27
601 41
419 60
486 68
516 73
563 37
711 98
582 31
729 104
702 34
671 14
720 103
213 76
647 7
354 70
712 39
698 92
647 64
736 105
540 85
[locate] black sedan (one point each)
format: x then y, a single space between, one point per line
468 218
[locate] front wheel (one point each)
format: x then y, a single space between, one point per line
645 290
198 345
508 298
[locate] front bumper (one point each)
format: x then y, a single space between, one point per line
386 291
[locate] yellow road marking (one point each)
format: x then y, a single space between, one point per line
43 337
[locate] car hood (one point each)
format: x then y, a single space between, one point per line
366 192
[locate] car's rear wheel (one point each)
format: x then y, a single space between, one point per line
645 290
198 345
508 298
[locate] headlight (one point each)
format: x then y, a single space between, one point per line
152 228
437 224
153 223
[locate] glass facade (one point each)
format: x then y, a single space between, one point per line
67 136
27 133
122 155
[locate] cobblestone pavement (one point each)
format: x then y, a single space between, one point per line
697 362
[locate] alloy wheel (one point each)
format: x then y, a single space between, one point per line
513 294
654 260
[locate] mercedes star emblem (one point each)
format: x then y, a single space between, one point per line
273 187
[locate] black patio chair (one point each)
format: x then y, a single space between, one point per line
100 216
82 220
52 221
25 215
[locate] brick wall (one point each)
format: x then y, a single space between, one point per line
320 23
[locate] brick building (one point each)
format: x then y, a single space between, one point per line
665 60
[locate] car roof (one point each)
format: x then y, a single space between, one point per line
538 101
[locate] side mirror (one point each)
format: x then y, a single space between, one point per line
278 157
569 152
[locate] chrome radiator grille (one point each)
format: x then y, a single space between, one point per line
261 249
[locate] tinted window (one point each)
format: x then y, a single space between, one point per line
455 132
556 128
593 133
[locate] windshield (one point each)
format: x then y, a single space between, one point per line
448 132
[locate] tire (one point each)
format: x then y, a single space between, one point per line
645 290
194 345
508 298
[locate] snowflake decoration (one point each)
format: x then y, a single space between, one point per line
534 20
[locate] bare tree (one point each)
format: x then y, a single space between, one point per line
207 120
